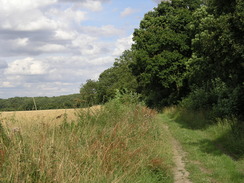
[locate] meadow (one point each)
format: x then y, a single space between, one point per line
114 143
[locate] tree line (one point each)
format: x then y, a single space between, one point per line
185 52
27 103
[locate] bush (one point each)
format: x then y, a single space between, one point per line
216 98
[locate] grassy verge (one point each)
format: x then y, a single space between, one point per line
117 143
214 153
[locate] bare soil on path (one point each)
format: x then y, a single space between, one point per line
179 171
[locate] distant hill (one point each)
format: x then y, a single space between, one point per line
27 103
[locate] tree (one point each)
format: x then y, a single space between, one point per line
118 77
161 50
89 93
218 49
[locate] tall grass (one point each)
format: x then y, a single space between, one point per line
117 143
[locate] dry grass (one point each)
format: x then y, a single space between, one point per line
117 143
26 119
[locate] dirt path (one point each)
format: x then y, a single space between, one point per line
180 173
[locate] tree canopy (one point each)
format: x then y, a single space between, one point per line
161 50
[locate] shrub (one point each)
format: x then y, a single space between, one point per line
216 98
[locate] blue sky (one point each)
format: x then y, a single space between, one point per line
51 47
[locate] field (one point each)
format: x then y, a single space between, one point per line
25 119
113 143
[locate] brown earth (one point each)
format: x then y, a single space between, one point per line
180 173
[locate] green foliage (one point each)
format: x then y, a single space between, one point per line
216 98
216 66
118 77
222 7
126 97
161 50
89 92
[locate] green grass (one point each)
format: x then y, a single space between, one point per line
214 153
118 143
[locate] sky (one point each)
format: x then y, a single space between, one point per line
51 47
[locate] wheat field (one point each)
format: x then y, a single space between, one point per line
24 119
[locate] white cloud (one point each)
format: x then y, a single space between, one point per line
51 48
66 18
83 41
23 5
64 35
122 45
127 11
39 23
76 16
6 84
106 30
102 60
93 5
30 20
90 46
27 66
21 41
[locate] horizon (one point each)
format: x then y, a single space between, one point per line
40 96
